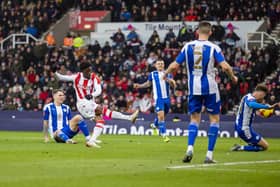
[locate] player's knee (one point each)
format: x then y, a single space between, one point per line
78 117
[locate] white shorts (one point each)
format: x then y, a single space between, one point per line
87 108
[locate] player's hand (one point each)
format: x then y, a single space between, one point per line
235 79
274 105
135 85
89 97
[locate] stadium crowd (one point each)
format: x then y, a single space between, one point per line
27 78
186 10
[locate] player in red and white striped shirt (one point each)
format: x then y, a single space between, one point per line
87 86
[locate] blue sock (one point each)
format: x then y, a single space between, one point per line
212 135
156 122
162 128
193 130
83 127
63 136
253 148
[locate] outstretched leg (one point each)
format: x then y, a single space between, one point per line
118 115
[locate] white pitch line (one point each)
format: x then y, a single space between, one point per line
223 164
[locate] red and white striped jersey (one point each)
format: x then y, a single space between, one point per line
82 85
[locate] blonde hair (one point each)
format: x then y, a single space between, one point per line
204 27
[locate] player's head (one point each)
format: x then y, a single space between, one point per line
260 92
58 96
85 67
159 65
204 28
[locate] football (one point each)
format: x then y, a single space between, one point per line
266 113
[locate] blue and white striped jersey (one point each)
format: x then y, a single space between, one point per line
200 56
57 116
247 110
160 86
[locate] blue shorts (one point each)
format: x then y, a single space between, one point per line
211 102
248 135
163 105
68 132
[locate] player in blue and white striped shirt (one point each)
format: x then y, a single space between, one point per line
59 122
200 56
249 104
161 95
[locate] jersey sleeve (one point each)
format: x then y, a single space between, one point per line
150 77
65 77
218 55
181 56
253 104
97 87
46 113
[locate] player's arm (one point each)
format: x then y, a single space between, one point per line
172 68
228 70
45 131
171 81
97 87
65 77
256 105
143 85
175 65
46 125
220 59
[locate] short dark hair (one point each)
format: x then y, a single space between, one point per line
57 90
261 87
204 27
84 65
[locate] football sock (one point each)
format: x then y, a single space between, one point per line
209 154
162 128
97 130
115 115
212 136
63 136
83 127
251 148
156 122
193 130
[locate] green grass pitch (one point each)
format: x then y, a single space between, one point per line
129 161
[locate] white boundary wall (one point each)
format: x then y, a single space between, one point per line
145 29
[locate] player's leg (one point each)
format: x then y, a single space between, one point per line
154 126
162 126
78 122
97 130
194 107
212 136
255 141
118 115
212 104
62 136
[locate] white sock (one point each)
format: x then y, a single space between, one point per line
115 115
97 130
190 148
118 115
209 154
87 138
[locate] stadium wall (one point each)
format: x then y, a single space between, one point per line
104 31
176 124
